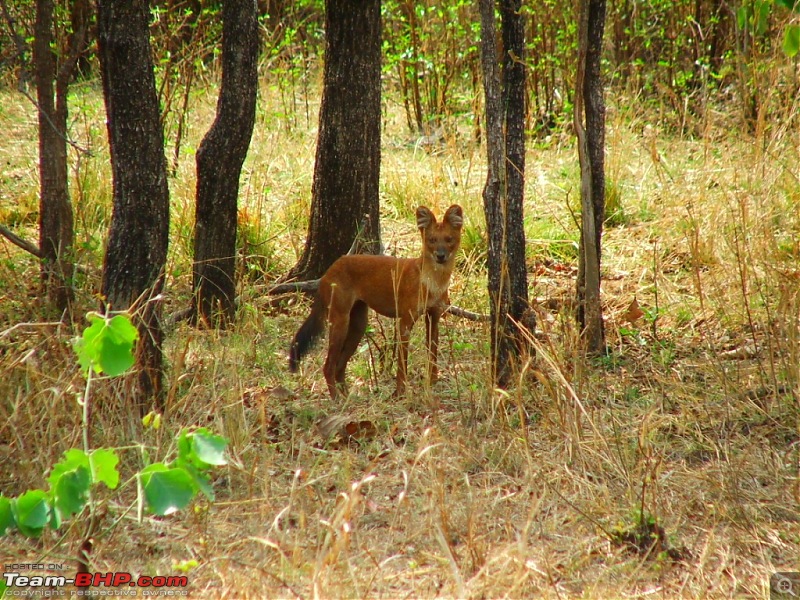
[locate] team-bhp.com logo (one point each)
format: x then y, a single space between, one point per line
122 583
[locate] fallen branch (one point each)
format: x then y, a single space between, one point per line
179 315
20 242
466 314
288 287
312 285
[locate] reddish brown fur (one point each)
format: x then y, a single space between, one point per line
400 288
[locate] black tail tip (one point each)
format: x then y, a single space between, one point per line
294 359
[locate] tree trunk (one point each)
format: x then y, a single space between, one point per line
55 209
219 165
133 271
504 190
591 146
344 194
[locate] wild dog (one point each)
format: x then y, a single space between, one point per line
400 288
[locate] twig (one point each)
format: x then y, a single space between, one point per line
13 328
60 134
179 315
20 242
312 285
466 314
307 287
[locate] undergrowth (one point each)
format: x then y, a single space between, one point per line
667 467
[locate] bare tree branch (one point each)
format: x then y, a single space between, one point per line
20 242
466 314
307 287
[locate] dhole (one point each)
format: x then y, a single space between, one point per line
400 288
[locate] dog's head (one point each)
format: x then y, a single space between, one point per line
440 240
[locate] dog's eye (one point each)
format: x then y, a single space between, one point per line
448 240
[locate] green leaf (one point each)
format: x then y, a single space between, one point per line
104 467
87 346
761 16
73 458
70 481
6 516
791 40
31 512
742 16
208 448
167 489
106 346
201 480
84 356
198 452
792 5
117 353
71 492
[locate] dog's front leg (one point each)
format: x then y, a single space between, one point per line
403 333
432 342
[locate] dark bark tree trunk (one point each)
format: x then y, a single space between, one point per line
133 273
53 75
344 194
589 122
503 193
219 165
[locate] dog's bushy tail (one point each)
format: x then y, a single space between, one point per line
309 332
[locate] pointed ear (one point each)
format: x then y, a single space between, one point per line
454 216
424 217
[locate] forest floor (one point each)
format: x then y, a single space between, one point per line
668 468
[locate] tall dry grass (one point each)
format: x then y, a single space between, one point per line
668 468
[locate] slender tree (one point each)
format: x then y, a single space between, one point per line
504 85
219 165
133 271
589 122
54 71
344 193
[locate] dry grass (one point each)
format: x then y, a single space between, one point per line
667 469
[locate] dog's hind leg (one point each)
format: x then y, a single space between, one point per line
358 326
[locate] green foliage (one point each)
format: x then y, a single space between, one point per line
71 481
294 46
551 238
106 346
167 487
473 244
170 487
791 40
6 515
615 215
551 40
31 512
433 49
70 492
754 16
